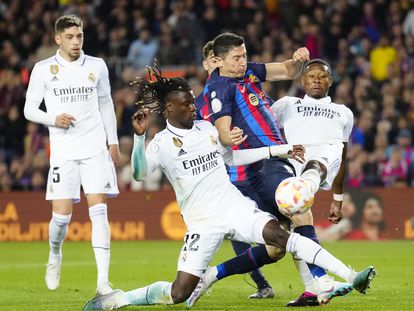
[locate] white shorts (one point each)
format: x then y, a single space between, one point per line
243 221
96 175
329 155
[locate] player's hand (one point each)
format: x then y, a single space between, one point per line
115 154
298 153
64 121
140 121
335 213
301 55
236 136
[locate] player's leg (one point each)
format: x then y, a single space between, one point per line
241 248
101 239
98 182
271 232
315 173
161 292
58 227
266 180
243 218
63 187
315 279
311 252
198 250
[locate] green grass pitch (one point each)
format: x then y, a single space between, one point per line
136 264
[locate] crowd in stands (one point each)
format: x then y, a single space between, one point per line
370 45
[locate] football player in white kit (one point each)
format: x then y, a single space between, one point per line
81 120
189 153
323 127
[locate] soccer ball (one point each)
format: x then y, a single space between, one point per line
293 196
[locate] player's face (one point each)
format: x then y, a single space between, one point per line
234 64
181 110
316 81
70 42
210 63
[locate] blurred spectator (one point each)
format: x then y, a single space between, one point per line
383 57
408 24
370 223
395 169
333 232
370 45
142 51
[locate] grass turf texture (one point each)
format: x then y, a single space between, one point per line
136 264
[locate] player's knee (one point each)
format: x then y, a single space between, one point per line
274 234
304 219
316 165
275 252
180 293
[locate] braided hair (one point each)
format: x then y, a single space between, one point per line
152 92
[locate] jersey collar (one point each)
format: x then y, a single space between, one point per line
63 62
324 100
178 132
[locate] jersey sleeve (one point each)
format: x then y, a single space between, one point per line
349 124
104 87
258 69
221 100
37 88
278 109
144 161
34 96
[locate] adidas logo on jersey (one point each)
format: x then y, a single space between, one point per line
54 79
108 186
181 152
297 102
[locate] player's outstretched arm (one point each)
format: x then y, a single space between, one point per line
248 156
290 69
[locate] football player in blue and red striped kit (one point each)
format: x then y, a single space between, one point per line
236 99
237 174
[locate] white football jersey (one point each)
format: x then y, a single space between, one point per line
313 121
192 161
72 88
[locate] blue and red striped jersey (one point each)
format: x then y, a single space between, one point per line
237 174
246 103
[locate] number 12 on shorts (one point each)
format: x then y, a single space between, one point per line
190 241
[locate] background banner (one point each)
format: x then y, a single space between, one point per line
25 216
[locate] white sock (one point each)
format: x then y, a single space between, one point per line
306 275
58 226
313 253
211 275
156 293
101 240
313 178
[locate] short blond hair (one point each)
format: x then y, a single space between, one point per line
67 21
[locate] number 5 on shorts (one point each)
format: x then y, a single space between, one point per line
56 175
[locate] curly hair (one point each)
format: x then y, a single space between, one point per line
152 92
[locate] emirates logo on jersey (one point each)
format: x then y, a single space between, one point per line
54 69
177 142
91 77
